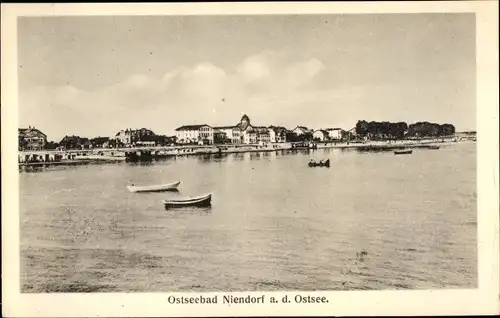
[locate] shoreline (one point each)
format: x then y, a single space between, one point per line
90 156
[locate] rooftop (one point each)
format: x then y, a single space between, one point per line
323 131
191 127
226 127
25 130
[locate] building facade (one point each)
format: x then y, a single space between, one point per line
242 133
263 135
129 137
99 142
31 139
74 142
335 133
277 134
199 134
321 135
249 136
301 130
233 134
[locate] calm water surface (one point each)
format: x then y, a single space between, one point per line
371 221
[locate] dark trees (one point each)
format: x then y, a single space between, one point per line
400 130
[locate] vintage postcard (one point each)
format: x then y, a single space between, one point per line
259 159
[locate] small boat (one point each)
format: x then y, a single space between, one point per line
154 188
200 201
403 152
320 164
433 147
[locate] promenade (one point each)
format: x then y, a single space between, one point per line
98 155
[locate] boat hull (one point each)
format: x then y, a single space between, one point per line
405 152
156 188
320 164
203 201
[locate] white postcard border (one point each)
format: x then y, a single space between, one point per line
483 300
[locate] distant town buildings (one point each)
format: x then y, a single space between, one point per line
335 133
100 142
231 134
132 136
301 130
31 139
321 135
241 133
277 133
244 132
195 134
74 142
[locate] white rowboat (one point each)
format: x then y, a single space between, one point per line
154 188
204 200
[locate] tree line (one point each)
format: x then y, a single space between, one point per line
401 130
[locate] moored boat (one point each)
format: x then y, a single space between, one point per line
154 188
403 152
433 147
200 201
319 164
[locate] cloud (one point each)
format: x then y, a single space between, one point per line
273 72
268 82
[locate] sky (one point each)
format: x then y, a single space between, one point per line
93 76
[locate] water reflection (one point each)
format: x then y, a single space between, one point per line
255 155
181 211
238 156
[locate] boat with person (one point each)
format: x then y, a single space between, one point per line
154 188
403 152
313 163
199 201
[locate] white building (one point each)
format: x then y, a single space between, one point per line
277 134
195 134
233 133
124 136
249 136
321 135
131 136
300 130
263 135
335 133
253 134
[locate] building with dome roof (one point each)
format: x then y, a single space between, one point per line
253 134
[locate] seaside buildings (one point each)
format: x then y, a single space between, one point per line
277 133
140 137
244 132
195 134
253 134
321 135
330 134
100 142
232 134
335 133
301 130
131 136
31 139
74 142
